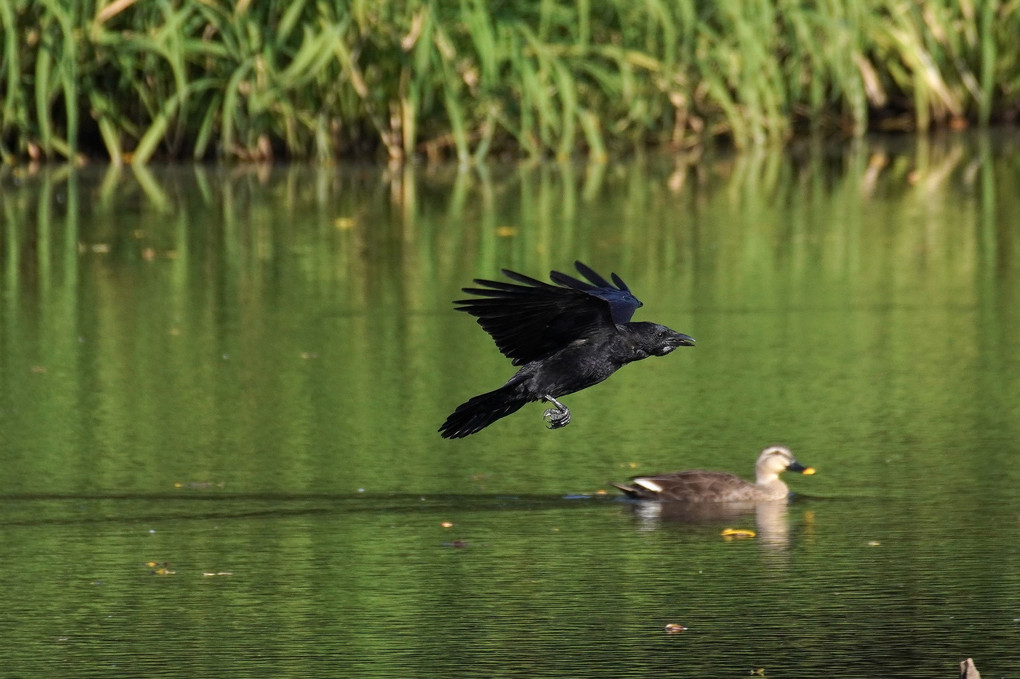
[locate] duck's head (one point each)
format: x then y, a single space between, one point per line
777 459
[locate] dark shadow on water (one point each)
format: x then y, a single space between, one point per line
44 509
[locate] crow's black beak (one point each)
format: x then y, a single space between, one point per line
682 340
672 341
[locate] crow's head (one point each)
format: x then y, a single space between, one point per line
653 339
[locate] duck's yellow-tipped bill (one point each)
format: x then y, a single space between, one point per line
808 470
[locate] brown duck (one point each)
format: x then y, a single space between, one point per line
705 486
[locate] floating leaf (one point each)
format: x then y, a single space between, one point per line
731 533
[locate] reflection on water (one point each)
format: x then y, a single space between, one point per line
769 517
771 527
462 586
241 371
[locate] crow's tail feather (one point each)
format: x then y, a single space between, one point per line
480 411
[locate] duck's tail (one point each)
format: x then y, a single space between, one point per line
634 492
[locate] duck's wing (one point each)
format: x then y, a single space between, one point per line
690 486
529 319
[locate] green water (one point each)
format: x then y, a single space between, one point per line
239 373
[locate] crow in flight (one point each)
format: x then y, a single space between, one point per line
564 337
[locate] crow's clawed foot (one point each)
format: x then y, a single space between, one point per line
557 417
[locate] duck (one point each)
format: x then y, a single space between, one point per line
713 487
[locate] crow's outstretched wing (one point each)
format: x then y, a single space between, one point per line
622 303
529 319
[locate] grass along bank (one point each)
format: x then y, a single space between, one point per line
132 80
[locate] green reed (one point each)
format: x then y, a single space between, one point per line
301 79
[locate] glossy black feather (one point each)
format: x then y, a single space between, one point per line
622 304
529 319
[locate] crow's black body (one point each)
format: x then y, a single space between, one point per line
564 337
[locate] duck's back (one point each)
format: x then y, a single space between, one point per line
692 486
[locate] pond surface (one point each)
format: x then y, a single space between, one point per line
220 389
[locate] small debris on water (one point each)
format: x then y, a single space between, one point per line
674 628
447 524
198 485
160 568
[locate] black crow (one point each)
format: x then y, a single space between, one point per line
564 337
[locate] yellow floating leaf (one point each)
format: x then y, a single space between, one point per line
506 231
737 533
344 223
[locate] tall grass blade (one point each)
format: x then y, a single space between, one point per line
241 80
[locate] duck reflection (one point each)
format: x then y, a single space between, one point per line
770 516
